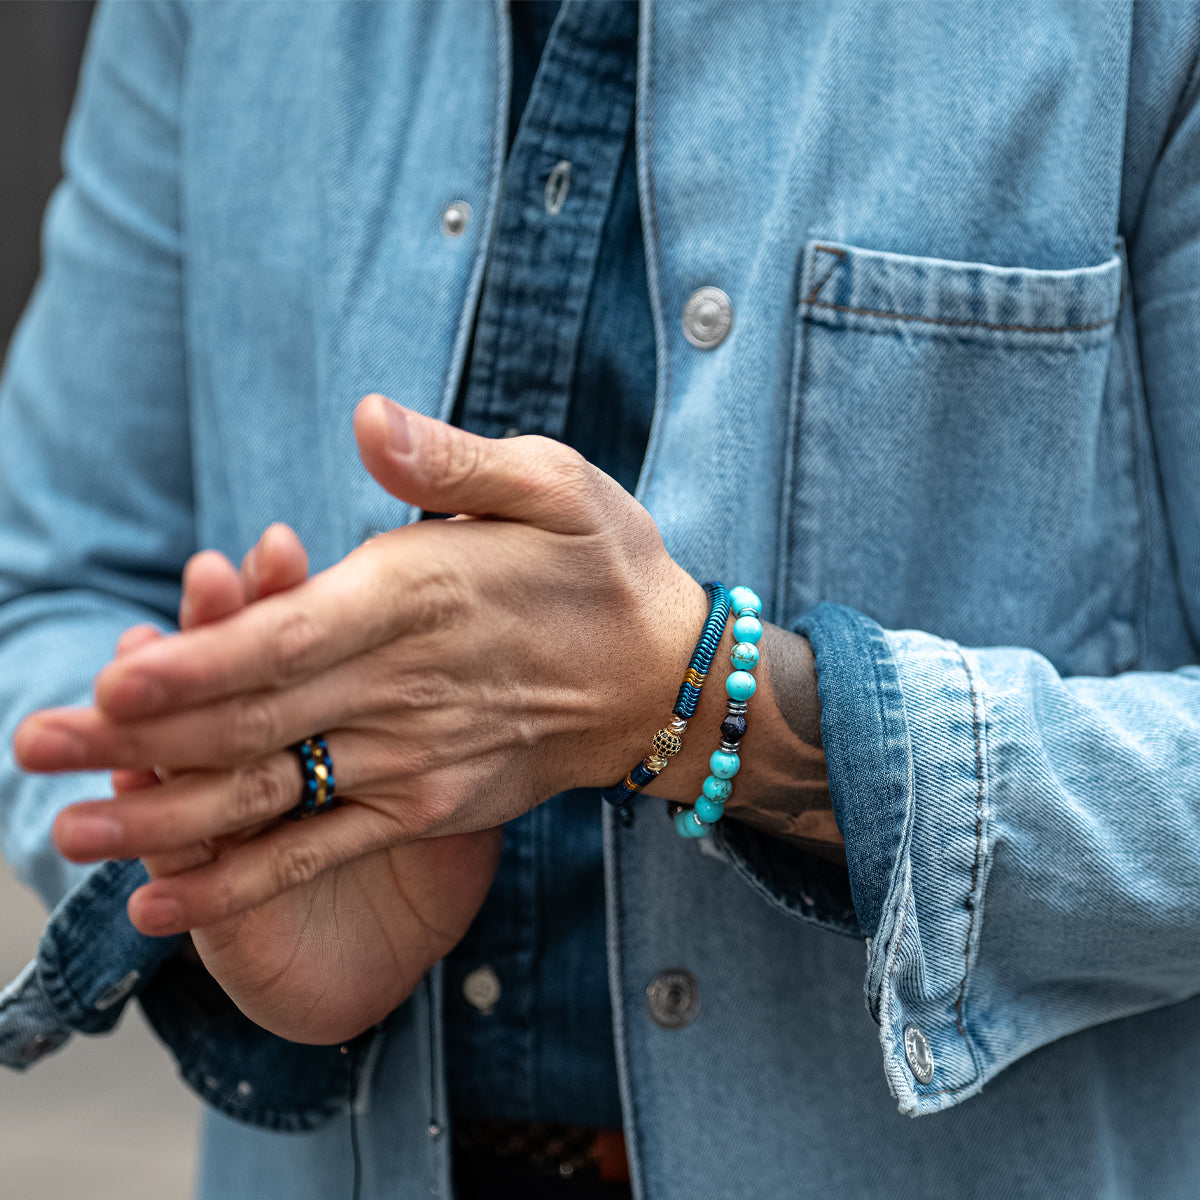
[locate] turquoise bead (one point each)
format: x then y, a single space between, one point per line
744 656
740 685
717 789
723 764
709 811
747 629
742 598
686 826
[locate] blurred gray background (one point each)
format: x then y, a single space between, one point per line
105 1118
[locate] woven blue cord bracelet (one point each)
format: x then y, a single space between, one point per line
668 741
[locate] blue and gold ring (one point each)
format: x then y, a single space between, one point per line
316 763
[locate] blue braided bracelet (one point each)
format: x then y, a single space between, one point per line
668 741
709 807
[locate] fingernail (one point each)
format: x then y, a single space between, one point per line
185 611
57 746
399 439
90 835
159 912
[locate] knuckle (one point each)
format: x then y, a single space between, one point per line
564 473
294 648
451 458
221 899
416 691
250 730
259 792
296 866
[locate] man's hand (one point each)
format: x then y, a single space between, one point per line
463 671
329 958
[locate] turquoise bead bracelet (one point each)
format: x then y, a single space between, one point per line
723 765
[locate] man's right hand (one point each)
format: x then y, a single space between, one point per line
328 959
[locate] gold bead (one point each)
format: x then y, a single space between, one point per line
666 743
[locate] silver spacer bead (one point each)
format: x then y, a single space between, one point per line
677 725
729 747
735 708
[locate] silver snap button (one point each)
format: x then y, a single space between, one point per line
482 989
920 1057
707 318
673 998
456 218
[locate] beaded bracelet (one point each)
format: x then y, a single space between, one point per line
668 741
709 807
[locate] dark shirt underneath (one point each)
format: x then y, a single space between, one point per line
563 346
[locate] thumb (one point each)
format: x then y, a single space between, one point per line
441 468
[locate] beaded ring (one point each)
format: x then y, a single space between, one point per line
317 766
724 764
668 741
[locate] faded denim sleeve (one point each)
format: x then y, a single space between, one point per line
1024 848
95 375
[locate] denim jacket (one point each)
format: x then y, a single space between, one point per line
953 436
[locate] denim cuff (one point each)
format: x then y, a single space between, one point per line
864 734
902 725
91 962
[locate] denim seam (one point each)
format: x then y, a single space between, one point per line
452 375
971 905
789 499
838 254
615 913
971 1085
896 940
962 321
906 898
652 241
1141 445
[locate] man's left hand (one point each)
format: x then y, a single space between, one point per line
462 671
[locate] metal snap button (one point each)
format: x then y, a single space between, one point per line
707 317
920 1057
482 989
40 1044
456 218
673 998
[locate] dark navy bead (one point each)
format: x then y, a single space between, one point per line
733 728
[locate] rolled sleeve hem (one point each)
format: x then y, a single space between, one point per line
864 733
903 730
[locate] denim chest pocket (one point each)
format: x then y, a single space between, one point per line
963 451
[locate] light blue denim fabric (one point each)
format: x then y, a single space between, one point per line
959 402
